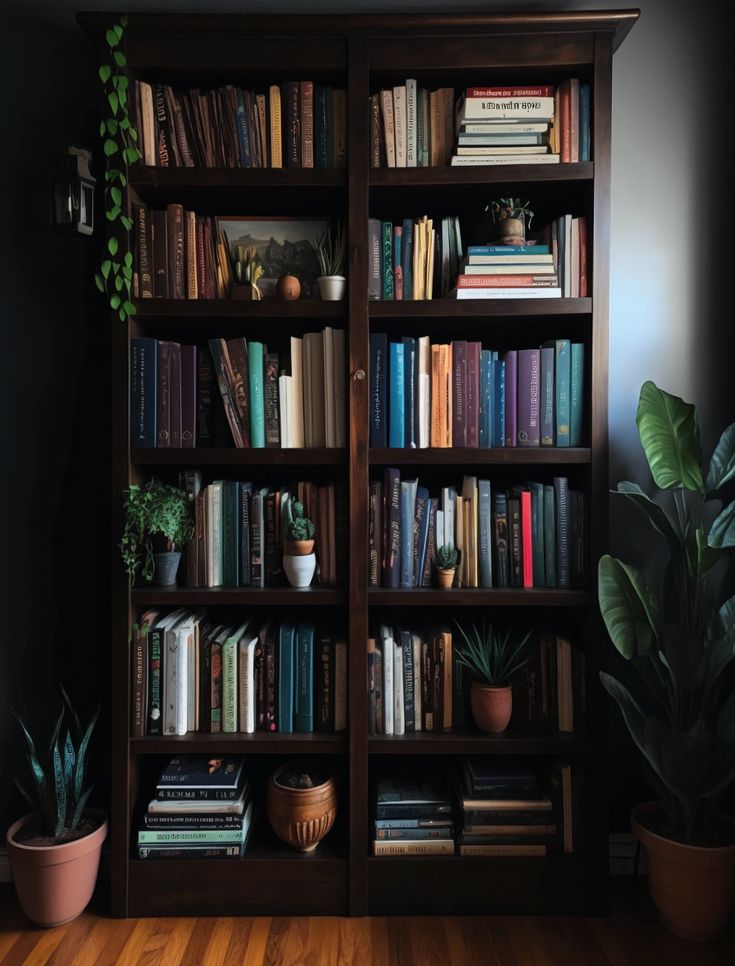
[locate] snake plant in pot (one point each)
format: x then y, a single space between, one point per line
55 850
680 638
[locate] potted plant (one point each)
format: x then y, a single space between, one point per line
680 640
301 803
511 218
55 850
157 523
246 271
492 659
299 559
445 563
330 252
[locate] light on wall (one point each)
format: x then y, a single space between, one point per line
73 201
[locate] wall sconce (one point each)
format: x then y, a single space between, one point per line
73 203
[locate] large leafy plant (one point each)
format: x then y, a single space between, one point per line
678 637
492 658
155 510
58 793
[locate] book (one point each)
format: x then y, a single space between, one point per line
414 847
199 777
410 796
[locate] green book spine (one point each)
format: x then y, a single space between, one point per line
169 836
576 394
549 536
229 685
537 533
387 259
229 495
563 379
257 404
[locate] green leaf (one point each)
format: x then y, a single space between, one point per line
118 283
657 516
105 268
112 38
627 607
112 214
99 282
105 71
131 155
118 31
127 222
102 129
122 315
109 148
122 179
722 531
122 85
128 259
722 464
113 102
82 752
81 804
133 134
115 301
127 273
116 195
111 126
129 308
670 437
119 58
60 788
112 245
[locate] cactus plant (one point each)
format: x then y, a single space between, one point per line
446 558
299 526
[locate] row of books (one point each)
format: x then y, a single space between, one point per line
202 809
479 807
413 260
425 394
192 672
288 400
530 535
240 528
295 124
411 126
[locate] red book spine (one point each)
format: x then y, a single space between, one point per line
526 544
507 281
544 90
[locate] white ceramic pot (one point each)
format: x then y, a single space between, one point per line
299 570
332 287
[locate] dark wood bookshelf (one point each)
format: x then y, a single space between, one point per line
363 54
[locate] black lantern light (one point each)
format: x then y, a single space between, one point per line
73 205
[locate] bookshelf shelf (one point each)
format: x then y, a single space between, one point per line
241 596
453 743
505 174
237 457
478 308
256 744
185 311
509 456
475 597
306 179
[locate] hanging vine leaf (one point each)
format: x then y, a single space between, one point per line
112 38
112 245
109 147
116 195
115 301
119 58
105 268
105 72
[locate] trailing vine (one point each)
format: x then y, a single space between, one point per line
119 140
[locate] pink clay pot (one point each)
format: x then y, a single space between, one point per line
491 707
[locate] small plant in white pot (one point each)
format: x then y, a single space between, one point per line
158 524
330 252
55 850
299 559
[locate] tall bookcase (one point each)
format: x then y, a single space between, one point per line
362 54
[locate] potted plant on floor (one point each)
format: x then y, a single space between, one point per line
301 803
493 659
299 559
680 642
54 851
330 252
157 524
445 564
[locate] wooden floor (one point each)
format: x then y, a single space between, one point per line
629 937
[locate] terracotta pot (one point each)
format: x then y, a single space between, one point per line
55 882
511 231
445 577
692 886
298 548
301 816
299 568
491 707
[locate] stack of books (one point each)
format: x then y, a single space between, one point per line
413 816
503 810
505 125
202 810
411 127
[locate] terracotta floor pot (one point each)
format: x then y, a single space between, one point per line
55 882
693 887
301 816
491 707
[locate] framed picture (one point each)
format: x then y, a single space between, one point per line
283 245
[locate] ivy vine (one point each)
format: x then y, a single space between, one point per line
119 140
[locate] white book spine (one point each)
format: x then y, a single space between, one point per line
424 400
440 541
246 685
492 269
411 113
506 108
192 661
399 720
183 642
296 413
148 132
328 354
509 293
170 691
388 695
399 120
464 161
502 127
284 384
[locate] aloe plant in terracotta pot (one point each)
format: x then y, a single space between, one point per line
55 850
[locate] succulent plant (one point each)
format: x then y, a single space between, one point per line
246 265
445 558
150 510
299 527
330 249
492 658
503 208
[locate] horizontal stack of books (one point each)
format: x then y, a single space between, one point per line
202 810
296 124
425 394
413 260
239 531
413 816
288 400
411 127
193 671
530 535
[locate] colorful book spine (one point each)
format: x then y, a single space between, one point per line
256 358
396 406
529 392
562 365
576 394
397 263
286 678
387 260
378 397
303 719
546 402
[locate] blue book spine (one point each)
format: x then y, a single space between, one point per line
409 387
576 394
584 123
246 492
396 402
397 263
246 157
563 367
499 404
561 499
378 371
508 250
485 533
408 500
423 513
304 682
486 415
257 407
407 258
285 679
546 415
143 376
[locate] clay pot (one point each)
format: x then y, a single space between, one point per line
332 287
445 578
301 816
300 568
288 287
55 882
511 231
491 707
298 548
692 886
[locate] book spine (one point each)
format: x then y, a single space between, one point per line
276 142
499 403
375 137
175 395
378 365
562 391
549 536
155 667
325 685
437 847
526 539
285 696
163 407
459 393
270 680
214 822
387 260
270 393
290 98
159 225
414 834
189 851
407 258
375 279
306 108
139 686
176 261
392 539
546 415
256 358
407 517
321 128
144 253
215 705
529 391
143 379
537 534
561 499
397 264
511 397
576 394
172 836
304 708
375 533
188 395
514 528
396 407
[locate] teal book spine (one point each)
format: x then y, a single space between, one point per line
407 258
285 678
486 399
257 403
537 534
396 399
576 394
499 403
584 123
387 260
563 378
549 536
304 683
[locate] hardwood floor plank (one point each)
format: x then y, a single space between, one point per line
132 950
117 938
93 942
219 942
178 933
237 947
258 942
354 942
518 940
379 941
499 941
195 951
72 941
34 946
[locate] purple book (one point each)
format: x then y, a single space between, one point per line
473 394
529 393
459 393
188 395
175 395
511 397
392 528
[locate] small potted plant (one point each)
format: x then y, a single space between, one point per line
301 803
246 271
680 640
493 659
299 559
330 252
512 218
55 850
445 564
157 524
